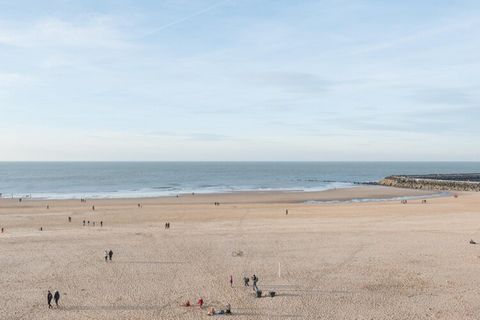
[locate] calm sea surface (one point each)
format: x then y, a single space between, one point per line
59 180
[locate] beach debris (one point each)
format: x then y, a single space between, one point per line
238 253
472 242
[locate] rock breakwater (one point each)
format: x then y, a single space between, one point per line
448 182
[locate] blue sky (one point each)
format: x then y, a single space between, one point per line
240 80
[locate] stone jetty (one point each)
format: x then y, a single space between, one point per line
447 182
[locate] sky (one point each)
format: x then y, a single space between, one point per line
237 80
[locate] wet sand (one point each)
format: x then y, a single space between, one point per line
374 260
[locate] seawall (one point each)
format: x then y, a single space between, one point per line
446 182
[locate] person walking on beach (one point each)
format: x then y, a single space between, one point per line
110 254
255 280
246 281
84 223
49 299
231 281
286 212
56 297
106 255
69 219
93 208
101 223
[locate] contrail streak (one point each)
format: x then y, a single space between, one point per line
193 15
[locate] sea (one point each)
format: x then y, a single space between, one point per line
73 180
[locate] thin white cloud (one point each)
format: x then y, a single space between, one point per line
91 32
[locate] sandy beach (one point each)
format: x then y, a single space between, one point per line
324 260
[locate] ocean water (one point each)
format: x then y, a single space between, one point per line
65 180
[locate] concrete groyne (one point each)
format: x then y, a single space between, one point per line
447 182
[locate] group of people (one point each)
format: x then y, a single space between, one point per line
108 255
167 225
211 310
216 203
227 310
404 202
51 297
88 222
246 282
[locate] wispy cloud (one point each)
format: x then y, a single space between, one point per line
95 31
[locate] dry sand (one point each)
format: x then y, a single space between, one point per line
376 260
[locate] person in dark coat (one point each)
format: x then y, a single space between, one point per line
49 299
56 297
110 254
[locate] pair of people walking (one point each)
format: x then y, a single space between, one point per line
55 297
108 255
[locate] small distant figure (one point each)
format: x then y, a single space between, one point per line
187 303
48 207
84 223
231 281
101 223
106 256
19 199
41 228
228 309
177 195
88 222
56 297
2 230
200 302
167 225
455 196
246 281
211 311
94 223
286 212
93 208
110 254
69 219
424 201
254 280
139 205
49 299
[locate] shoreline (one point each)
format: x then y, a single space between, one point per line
352 194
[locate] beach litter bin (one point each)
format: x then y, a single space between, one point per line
259 293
